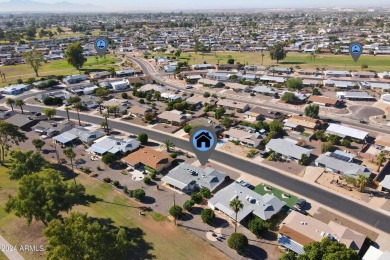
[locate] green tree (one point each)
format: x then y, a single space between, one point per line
25 163
294 83
258 226
187 128
304 159
206 94
328 249
35 59
320 135
10 102
380 159
276 126
38 144
78 106
362 182
327 147
138 194
364 66
68 152
43 196
288 256
82 237
188 204
334 139
230 61
226 121
107 128
168 144
205 192
346 143
124 95
20 103
316 92
236 205
67 112
157 95
49 112
109 158
238 242
197 197
9 134
207 216
312 111
219 112
289 97
277 52
176 212
143 138
101 92
74 55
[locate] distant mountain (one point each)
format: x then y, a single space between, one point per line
35 6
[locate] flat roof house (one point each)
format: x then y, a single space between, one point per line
202 66
15 89
323 101
208 82
376 254
52 128
80 133
382 142
174 117
262 206
64 95
125 73
187 177
149 157
264 90
246 138
355 95
140 111
233 105
71 79
340 164
258 113
298 230
114 145
287 149
363 74
236 86
23 121
119 85
100 75
336 73
343 131
301 123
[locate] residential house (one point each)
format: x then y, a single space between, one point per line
170 96
343 131
119 85
64 95
340 84
262 206
174 117
298 230
363 74
121 104
311 83
259 113
125 73
187 178
150 88
202 66
324 101
147 156
113 145
140 79
100 75
233 105
140 111
89 102
78 133
246 137
336 73
237 87
52 128
341 164
86 89
301 96
15 89
306 72
24 121
227 67
301 123
199 101
287 148
219 76
272 79
376 254
209 122
265 90
193 79
74 78
209 83
382 142
354 95
384 75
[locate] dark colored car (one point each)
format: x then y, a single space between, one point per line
300 203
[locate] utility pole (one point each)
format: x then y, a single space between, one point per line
55 148
174 204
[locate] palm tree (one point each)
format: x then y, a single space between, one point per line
104 125
362 181
100 102
236 205
67 112
113 109
78 107
71 155
105 115
271 155
380 159
20 103
10 102
168 145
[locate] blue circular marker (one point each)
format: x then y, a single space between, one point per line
356 49
203 140
101 44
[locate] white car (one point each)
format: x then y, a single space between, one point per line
44 137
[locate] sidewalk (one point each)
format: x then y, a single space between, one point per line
9 251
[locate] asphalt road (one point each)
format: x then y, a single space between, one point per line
310 192
149 71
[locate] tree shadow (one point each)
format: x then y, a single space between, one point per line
196 210
292 62
255 252
186 217
64 171
87 199
148 200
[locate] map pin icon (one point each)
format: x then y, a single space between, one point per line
355 49
101 45
203 141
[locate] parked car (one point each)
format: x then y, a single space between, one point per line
189 87
300 203
297 210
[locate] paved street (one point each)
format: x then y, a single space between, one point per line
355 210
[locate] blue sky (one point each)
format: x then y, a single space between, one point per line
220 4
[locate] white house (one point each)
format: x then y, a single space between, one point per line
75 78
119 85
113 145
287 148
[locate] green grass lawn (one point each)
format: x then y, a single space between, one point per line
290 201
327 61
153 235
59 67
305 134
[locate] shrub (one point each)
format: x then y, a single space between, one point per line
147 180
147 168
238 242
187 128
235 142
116 183
173 155
86 169
126 190
327 147
109 158
125 95
258 226
99 168
142 101
346 143
188 205
176 211
139 194
205 192
143 138
108 180
196 197
152 175
207 216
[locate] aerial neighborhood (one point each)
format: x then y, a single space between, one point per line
303 131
